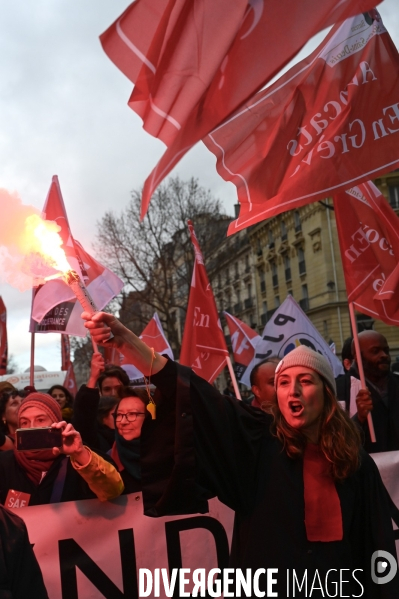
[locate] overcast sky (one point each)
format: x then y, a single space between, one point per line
63 108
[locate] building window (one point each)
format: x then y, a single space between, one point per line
274 275
283 231
236 268
277 301
304 302
364 322
301 261
297 221
247 263
262 281
227 276
287 267
270 237
394 196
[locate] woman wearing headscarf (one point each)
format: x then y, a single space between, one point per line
68 473
307 498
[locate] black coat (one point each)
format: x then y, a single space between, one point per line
203 444
385 417
20 575
13 476
99 438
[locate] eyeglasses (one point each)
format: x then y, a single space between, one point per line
130 416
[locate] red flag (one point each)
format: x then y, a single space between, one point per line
70 381
54 305
244 342
330 122
193 63
112 356
368 231
65 352
3 338
203 345
154 336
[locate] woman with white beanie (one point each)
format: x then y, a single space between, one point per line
309 501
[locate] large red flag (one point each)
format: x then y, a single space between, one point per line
193 63
3 338
153 335
54 305
368 231
330 122
203 345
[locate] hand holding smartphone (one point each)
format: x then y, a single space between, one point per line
28 439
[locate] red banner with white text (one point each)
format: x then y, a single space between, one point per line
194 63
330 122
368 231
203 346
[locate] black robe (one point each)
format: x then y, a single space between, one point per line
204 444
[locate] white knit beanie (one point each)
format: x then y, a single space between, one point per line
304 356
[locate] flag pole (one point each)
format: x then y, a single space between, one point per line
32 360
233 378
360 366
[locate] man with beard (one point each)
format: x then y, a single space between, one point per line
381 397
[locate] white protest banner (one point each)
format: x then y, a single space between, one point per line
290 327
91 550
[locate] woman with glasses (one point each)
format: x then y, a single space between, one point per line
129 416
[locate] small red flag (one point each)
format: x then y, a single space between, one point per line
330 122
70 381
112 356
368 231
153 335
3 338
203 345
244 342
194 63
65 352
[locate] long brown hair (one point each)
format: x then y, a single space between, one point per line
339 437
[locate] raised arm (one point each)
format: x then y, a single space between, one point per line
102 326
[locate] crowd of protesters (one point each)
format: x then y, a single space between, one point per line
100 450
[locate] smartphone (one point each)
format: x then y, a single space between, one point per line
38 438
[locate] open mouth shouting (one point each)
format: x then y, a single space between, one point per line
295 407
